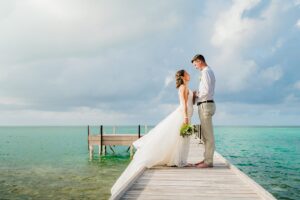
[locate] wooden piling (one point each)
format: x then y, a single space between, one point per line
131 151
200 134
139 131
104 149
101 139
88 137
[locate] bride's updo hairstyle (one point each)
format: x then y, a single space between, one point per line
179 75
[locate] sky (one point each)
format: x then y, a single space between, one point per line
80 62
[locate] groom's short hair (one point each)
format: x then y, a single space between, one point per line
198 57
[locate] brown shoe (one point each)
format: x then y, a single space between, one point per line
204 165
199 162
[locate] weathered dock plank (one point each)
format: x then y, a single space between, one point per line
223 181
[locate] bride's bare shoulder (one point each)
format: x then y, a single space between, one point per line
182 88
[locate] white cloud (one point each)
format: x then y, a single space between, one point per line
78 116
12 101
80 62
291 99
65 54
232 33
297 85
150 113
231 28
235 36
169 79
277 45
271 74
256 114
63 28
298 23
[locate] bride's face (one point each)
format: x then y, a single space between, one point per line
186 76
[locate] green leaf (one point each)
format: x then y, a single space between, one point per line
186 130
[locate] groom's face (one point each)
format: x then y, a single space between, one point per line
197 64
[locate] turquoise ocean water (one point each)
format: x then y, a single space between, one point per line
53 162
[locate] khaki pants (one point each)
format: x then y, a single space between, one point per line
206 111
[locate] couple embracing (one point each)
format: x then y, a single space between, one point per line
163 145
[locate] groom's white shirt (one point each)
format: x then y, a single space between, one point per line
206 85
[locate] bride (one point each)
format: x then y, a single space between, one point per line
163 144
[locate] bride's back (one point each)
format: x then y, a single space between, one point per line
190 97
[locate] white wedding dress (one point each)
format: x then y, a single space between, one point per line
162 145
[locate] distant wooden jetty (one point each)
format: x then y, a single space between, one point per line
103 140
222 182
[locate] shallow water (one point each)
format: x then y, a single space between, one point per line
269 155
53 162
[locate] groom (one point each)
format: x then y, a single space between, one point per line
206 108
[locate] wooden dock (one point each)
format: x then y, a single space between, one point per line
103 140
222 182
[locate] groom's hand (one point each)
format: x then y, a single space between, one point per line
194 97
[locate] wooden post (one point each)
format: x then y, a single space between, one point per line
101 138
112 149
139 131
88 137
131 151
194 130
91 152
200 134
104 149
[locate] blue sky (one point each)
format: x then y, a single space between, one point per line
113 62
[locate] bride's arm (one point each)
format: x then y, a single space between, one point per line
184 96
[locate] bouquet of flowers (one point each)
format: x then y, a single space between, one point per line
186 130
